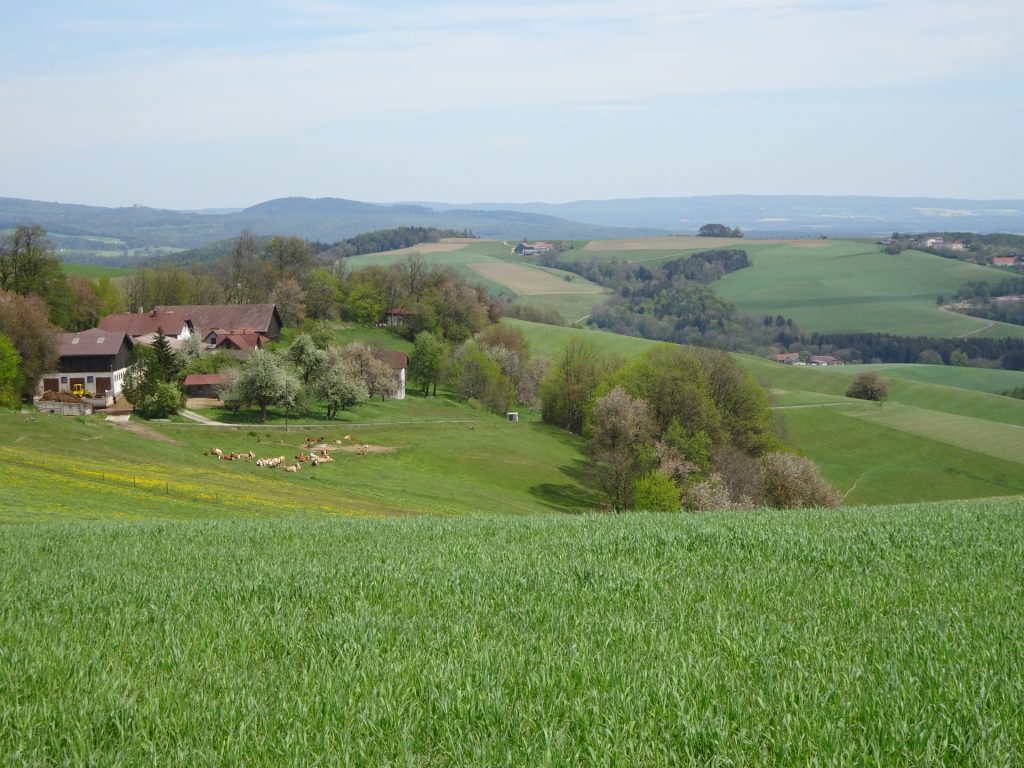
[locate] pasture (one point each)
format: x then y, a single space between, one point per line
853 286
889 636
448 459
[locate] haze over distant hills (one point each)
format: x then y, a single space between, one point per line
332 219
784 215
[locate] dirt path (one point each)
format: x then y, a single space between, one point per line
140 430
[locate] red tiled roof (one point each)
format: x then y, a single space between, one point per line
136 324
397 360
204 379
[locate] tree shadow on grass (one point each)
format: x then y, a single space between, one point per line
571 497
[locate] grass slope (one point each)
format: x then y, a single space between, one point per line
888 636
853 286
447 459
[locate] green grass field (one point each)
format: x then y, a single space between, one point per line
979 379
853 286
889 636
447 458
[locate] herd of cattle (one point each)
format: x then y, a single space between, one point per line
314 457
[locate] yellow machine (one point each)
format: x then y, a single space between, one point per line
79 391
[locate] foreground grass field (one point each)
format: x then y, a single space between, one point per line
890 636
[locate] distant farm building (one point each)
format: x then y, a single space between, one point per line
825 360
1006 261
397 317
398 362
532 249
788 358
95 360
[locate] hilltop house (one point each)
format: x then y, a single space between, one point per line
532 249
96 359
262 319
397 316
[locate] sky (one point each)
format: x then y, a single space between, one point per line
190 105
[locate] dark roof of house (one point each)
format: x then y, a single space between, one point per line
91 342
205 317
204 379
140 324
397 360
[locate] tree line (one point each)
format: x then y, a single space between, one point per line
887 348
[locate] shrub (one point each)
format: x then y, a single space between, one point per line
792 481
869 386
656 492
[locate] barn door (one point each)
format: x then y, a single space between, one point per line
102 384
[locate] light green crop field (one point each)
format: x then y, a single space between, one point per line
891 636
853 286
491 264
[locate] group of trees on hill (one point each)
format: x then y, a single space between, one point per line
388 240
719 230
676 427
674 302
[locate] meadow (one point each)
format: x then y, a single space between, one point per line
854 286
886 636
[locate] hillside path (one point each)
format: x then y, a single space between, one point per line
202 419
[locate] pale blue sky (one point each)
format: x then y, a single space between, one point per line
210 104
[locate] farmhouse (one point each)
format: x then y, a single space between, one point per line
175 325
1005 261
398 361
262 319
95 359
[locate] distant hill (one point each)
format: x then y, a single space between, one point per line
785 215
323 219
